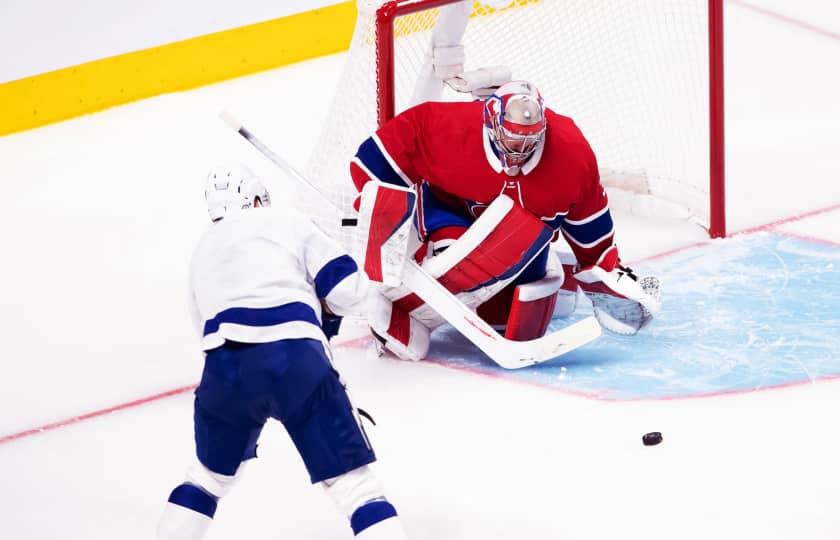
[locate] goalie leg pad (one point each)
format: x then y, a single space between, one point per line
496 248
533 307
493 251
487 257
568 293
405 336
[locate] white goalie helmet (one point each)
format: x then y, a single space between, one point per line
514 119
232 188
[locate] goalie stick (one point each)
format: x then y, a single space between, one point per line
504 352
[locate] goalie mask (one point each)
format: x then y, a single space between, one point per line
231 188
514 119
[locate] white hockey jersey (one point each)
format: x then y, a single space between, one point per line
259 275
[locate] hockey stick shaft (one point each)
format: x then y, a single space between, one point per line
237 126
504 352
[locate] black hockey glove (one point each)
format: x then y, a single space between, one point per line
330 324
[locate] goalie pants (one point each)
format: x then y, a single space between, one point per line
244 384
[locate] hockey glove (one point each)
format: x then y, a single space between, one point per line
330 324
622 302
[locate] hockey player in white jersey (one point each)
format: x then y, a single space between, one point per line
269 290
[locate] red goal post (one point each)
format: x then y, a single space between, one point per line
642 78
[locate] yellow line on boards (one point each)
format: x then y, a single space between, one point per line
93 86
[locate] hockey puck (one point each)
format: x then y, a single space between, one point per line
651 439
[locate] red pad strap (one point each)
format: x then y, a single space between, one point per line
399 326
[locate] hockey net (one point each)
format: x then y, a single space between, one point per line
633 74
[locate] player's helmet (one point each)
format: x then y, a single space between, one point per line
514 119
231 188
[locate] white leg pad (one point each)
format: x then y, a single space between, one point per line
565 262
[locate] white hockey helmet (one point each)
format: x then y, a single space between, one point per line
231 188
514 119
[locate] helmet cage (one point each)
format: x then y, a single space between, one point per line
508 119
518 142
232 189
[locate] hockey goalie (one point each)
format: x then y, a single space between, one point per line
493 182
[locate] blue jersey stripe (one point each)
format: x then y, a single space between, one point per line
375 161
556 222
332 273
437 215
591 231
293 311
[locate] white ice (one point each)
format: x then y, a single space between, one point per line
98 220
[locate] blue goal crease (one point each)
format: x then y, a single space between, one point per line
739 314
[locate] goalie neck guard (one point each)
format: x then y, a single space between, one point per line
514 120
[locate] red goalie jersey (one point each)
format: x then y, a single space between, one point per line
445 149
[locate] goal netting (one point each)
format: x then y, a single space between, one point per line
633 74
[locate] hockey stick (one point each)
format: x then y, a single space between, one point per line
504 352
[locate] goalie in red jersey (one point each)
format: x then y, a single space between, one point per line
496 181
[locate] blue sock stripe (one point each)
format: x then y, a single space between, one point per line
370 514
194 498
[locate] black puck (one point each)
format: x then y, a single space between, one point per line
651 439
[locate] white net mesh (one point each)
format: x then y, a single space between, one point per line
633 74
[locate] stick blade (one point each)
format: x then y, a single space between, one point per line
520 354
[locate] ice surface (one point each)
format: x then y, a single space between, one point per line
101 213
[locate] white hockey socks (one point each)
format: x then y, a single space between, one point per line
183 523
192 505
359 495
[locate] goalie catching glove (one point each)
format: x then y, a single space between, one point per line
623 303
